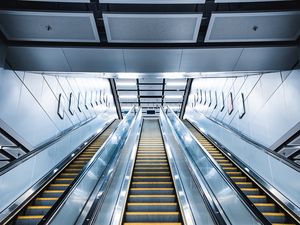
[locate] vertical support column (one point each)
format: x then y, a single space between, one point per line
115 96
3 51
185 97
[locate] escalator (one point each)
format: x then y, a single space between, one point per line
152 197
265 205
36 210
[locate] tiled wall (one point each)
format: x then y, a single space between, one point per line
29 104
272 104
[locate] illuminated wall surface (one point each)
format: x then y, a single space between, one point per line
30 109
271 103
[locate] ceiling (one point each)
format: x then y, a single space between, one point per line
150 35
150 94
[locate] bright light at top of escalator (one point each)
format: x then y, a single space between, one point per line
126 84
175 83
127 96
173 96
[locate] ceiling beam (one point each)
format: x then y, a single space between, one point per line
185 97
115 96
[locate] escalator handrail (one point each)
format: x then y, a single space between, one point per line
63 198
42 146
255 212
276 195
259 146
7 214
121 199
211 202
186 212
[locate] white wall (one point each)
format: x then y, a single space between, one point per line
271 102
29 104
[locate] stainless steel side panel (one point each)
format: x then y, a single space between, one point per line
283 178
231 204
96 172
193 208
19 179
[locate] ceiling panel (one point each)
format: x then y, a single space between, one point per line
210 59
95 60
152 28
48 26
263 59
250 27
37 59
152 60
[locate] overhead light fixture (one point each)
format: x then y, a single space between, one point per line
127 96
173 96
126 83
175 83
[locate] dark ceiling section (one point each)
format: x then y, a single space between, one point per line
151 94
150 23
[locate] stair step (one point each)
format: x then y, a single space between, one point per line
152 216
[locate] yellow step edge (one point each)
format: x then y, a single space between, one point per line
273 214
156 177
31 217
46 199
256 196
241 182
167 172
151 196
70 174
153 164
149 168
154 182
249 189
152 204
151 189
39 207
153 213
64 179
238 177
53 191
59 185
264 204
233 172
283 224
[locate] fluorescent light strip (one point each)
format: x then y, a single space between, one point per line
175 84
127 96
126 84
173 96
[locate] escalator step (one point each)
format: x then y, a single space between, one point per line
152 198
152 216
257 198
153 207
152 184
37 210
266 207
275 217
146 191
